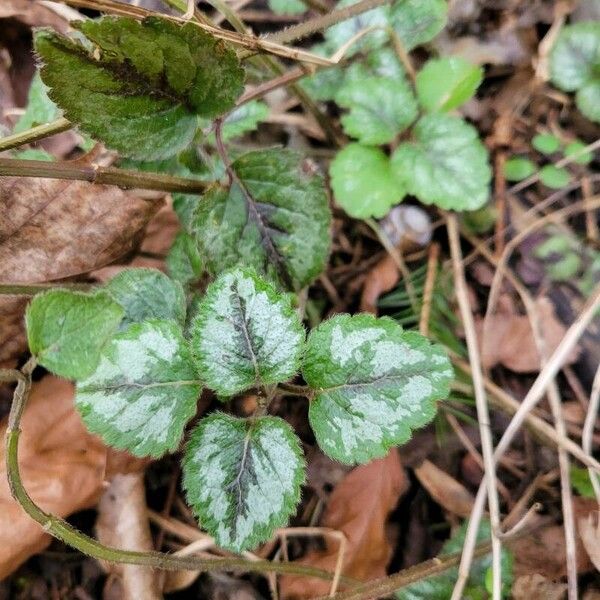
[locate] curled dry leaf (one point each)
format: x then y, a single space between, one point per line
358 507
52 230
509 340
63 468
33 14
589 532
444 489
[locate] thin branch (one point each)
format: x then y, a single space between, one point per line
34 134
588 430
101 175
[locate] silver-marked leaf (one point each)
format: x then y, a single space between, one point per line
588 100
243 119
245 334
380 108
144 390
67 330
139 86
274 217
374 384
147 294
242 477
417 22
446 164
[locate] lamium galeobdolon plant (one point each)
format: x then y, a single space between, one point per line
142 347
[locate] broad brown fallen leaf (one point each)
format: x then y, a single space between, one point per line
536 587
63 466
32 13
444 489
589 532
53 230
358 507
509 337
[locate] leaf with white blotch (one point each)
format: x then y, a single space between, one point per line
374 383
245 334
147 294
242 477
588 100
417 22
139 86
144 390
40 109
363 182
380 108
446 164
273 217
444 84
67 330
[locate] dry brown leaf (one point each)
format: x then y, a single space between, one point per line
380 279
509 337
444 489
52 230
63 467
358 507
543 551
123 523
536 587
32 13
589 532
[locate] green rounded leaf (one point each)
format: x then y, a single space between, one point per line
446 165
245 334
147 294
184 262
380 108
546 143
144 390
554 177
577 151
417 22
444 84
139 86
288 7
518 168
40 109
243 119
243 477
67 330
274 217
363 182
374 384
588 100
575 58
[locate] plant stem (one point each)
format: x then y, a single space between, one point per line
34 134
296 390
31 289
91 547
102 175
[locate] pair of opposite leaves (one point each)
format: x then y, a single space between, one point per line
371 383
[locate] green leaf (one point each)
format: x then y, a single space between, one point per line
244 119
546 143
518 168
577 149
588 100
417 22
67 330
245 334
575 58
274 217
380 108
363 182
147 294
324 84
444 84
554 177
33 154
139 86
374 384
581 482
242 477
287 7
446 165
144 390
439 587
184 262
339 34
40 109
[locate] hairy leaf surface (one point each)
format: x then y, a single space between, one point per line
274 217
374 384
447 164
67 330
417 22
243 477
139 86
245 334
144 390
